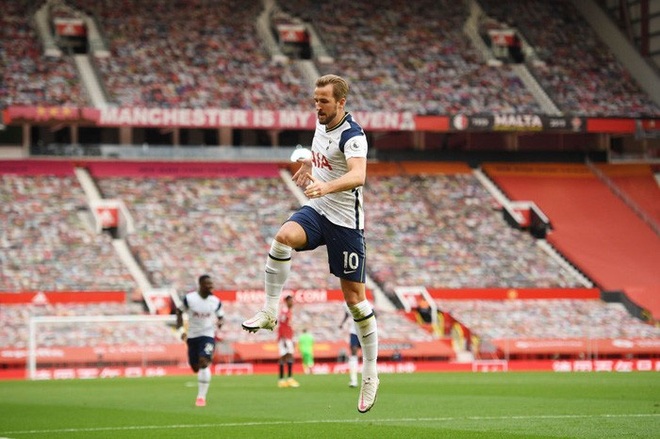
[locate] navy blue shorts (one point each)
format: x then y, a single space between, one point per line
355 341
199 347
346 247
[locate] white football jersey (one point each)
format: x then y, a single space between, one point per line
331 150
203 314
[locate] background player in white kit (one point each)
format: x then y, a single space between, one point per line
205 314
333 179
354 343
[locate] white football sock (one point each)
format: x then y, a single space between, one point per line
353 368
278 267
203 382
367 329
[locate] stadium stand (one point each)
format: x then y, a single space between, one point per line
580 72
185 222
27 75
323 318
194 55
431 225
590 225
221 226
446 230
427 66
197 56
636 185
14 331
547 319
225 225
47 241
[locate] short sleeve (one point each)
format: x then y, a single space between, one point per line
356 146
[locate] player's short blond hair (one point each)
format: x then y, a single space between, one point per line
339 85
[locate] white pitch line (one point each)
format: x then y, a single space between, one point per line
329 421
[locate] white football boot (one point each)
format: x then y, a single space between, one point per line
261 320
368 393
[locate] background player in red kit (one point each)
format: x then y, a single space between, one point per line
285 344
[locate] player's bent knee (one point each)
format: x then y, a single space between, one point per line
291 234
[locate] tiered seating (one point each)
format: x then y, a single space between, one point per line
192 55
637 183
411 56
323 320
591 226
46 240
581 74
445 231
437 231
27 77
187 227
431 229
15 318
233 221
553 318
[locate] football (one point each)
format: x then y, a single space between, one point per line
301 153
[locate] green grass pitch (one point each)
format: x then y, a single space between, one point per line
421 405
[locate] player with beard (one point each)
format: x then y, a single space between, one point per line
333 180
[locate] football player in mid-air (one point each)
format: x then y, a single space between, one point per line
205 314
333 180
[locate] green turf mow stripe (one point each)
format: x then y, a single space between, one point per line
331 421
